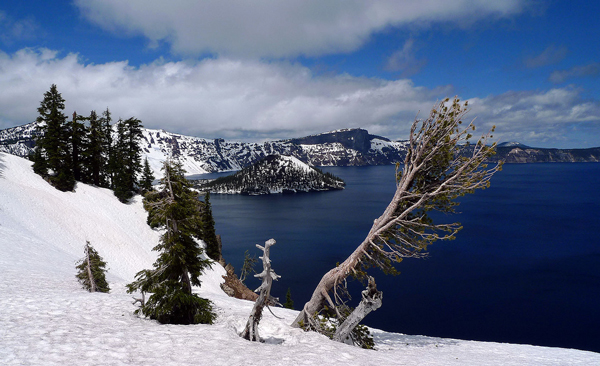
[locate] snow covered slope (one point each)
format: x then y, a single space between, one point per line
47 319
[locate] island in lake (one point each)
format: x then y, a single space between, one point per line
273 174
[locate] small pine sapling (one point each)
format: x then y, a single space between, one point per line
248 266
289 303
91 271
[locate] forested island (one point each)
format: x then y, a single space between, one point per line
273 174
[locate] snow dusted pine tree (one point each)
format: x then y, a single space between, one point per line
91 271
177 210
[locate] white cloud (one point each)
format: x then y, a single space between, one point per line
12 30
549 56
252 100
560 76
546 118
273 28
404 60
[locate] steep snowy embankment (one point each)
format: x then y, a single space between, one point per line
47 319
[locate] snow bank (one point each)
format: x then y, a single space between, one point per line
47 319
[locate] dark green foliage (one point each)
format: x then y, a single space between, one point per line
78 144
54 160
208 230
94 156
91 271
328 323
177 210
289 303
248 266
106 141
147 177
40 164
127 158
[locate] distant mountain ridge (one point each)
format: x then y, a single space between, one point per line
347 147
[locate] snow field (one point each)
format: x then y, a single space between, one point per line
47 319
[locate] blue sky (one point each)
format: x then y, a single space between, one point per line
258 70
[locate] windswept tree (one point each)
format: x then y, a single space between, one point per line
91 271
439 167
176 209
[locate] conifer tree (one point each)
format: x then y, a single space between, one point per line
208 230
78 145
93 155
127 158
147 177
289 303
91 271
106 175
176 209
54 158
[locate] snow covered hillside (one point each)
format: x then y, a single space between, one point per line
47 319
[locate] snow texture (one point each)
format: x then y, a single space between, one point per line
46 318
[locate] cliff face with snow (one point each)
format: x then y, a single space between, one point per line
347 147
273 174
351 147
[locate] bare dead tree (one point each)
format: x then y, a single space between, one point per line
371 301
440 166
264 298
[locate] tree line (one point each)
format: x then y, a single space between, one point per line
89 149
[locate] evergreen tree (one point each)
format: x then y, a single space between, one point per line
176 209
208 230
54 157
78 145
289 303
91 271
106 175
127 158
93 155
147 177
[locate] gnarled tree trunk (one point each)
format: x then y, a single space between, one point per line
371 301
264 298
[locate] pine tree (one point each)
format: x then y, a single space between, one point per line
127 158
93 154
106 173
147 177
289 303
176 209
54 158
91 271
208 230
78 146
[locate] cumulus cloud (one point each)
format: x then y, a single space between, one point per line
272 28
547 118
549 56
254 100
248 100
560 76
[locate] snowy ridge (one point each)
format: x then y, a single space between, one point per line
47 319
348 147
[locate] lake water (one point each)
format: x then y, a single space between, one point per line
525 268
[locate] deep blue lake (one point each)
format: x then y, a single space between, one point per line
525 268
